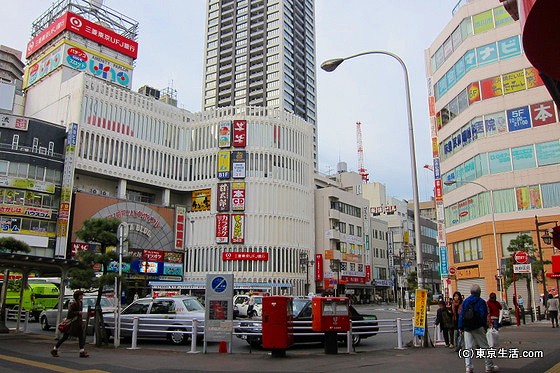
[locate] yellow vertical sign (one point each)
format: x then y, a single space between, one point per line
420 305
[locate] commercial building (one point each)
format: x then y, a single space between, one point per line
31 167
229 189
496 146
343 259
262 53
11 72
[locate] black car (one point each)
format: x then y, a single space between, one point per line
365 326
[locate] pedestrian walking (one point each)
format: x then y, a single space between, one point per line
76 328
520 301
552 308
251 307
456 302
494 309
473 321
445 322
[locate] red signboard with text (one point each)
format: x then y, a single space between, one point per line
235 255
318 267
352 280
239 133
78 246
222 228
87 29
153 255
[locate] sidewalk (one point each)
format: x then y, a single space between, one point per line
34 348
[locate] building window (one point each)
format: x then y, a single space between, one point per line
15 142
4 165
467 251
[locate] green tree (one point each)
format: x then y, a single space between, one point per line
9 245
103 232
412 282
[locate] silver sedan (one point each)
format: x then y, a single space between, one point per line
160 318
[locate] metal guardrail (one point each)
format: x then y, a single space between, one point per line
13 314
195 329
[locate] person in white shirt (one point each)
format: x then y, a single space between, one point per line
552 308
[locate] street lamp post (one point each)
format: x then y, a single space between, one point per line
331 65
122 233
493 212
547 239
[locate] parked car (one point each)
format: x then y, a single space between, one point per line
241 305
48 317
506 315
164 316
251 331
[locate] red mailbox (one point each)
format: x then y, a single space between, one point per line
330 314
277 324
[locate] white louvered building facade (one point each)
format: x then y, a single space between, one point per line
134 147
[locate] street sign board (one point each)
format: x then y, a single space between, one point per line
521 257
219 308
452 271
522 268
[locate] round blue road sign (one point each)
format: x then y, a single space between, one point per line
219 284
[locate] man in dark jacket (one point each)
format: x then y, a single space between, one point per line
475 334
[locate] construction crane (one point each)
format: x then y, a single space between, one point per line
361 169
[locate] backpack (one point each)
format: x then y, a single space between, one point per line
470 318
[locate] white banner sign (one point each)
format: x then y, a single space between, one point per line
522 268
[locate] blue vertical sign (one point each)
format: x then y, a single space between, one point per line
443 264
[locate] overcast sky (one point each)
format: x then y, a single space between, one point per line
369 89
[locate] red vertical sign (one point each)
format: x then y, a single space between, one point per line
239 133
180 213
438 189
222 228
368 272
318 267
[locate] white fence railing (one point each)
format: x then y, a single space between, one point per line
194 329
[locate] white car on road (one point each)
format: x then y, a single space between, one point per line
48 317
241 304
161 318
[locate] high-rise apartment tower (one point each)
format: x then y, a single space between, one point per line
261 53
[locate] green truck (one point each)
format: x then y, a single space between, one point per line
37 296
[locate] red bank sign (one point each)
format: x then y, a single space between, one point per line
234 255
87 29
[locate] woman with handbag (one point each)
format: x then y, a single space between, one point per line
76 329
456 303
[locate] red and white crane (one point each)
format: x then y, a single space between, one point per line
429 167
361 169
